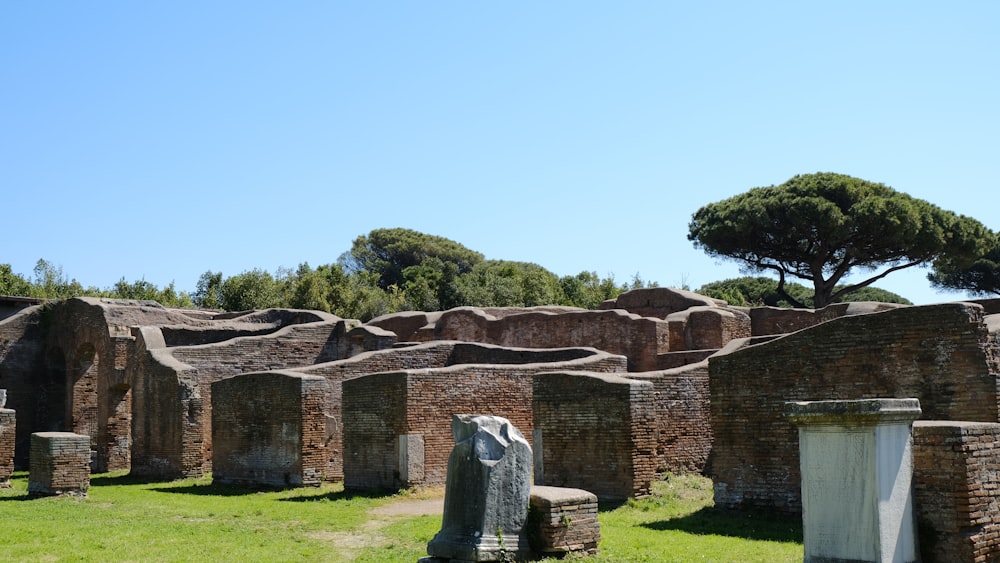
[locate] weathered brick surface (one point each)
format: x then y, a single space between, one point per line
775 320
640 339
562 521
60 463
36 393
597 433
956 470
374 417
672 360
8 426
939 354
422 401
437 355
701 328
269 429
173 391
683 417
659 302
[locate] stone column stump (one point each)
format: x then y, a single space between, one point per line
856 461
487 493
60 464
8 424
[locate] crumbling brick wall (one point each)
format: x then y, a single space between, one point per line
774 320
939 354
659 302
596 432
435 355
640 339
173 415
956 472
706 328
268 429
683 417
422 402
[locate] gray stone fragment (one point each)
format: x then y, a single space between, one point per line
487 492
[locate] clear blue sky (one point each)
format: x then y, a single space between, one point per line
159 140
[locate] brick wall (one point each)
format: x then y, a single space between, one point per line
683 417
31 390
174 413
956 470
438 355
775 320
269 429
640 339
8 427
659 302
374 418
597 433
939 354
422 401
701 328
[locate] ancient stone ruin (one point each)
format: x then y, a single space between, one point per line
487 492
685 383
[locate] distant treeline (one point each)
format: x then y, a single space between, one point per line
385 271
390 270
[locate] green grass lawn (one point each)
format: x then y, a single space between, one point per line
123 519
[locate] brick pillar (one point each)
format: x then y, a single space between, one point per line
60 463
8 424
956 473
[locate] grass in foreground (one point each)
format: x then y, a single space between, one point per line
123 519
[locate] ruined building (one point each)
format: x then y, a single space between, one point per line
285 397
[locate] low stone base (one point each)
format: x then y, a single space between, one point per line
563 521
60 464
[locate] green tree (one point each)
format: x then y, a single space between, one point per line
13 284
588 290
820 227
388 252
503 283
311 289
981 277
254 289
208 291
51 283
144 290
763 291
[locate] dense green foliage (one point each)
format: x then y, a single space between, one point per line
386 271
820 227
758 291
389 252
126 519
981 277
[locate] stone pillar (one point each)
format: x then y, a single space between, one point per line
856 461
487 493
8 425
60 463
411 459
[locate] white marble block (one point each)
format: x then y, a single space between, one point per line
856 462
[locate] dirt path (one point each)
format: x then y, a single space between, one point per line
347 543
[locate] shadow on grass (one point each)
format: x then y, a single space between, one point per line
110 479
339 495
212 490
753 525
